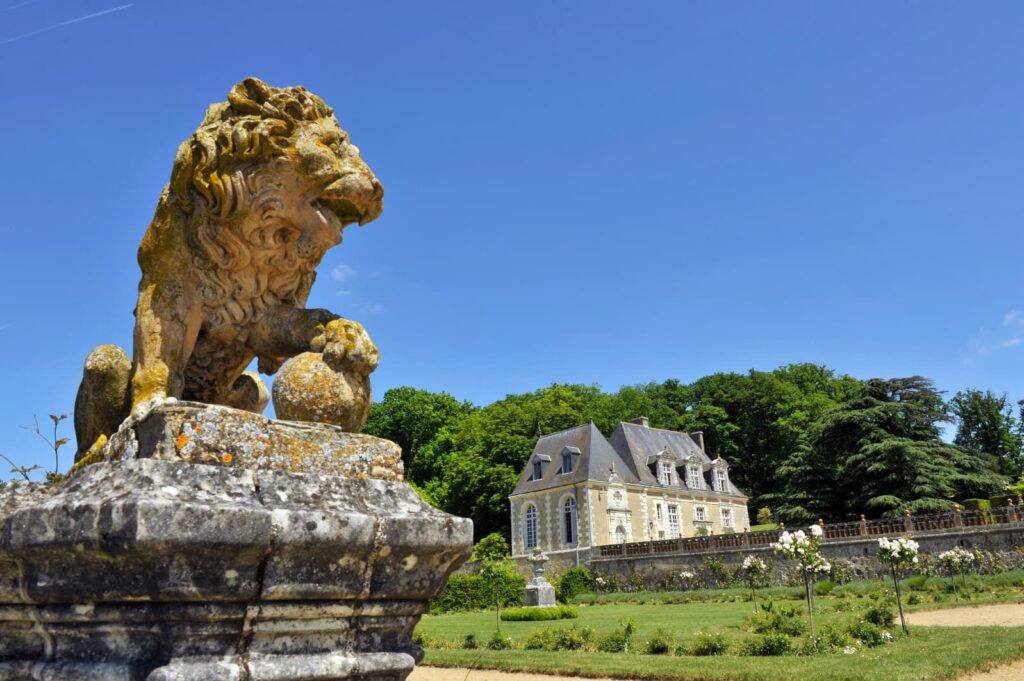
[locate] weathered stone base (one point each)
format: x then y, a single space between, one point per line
539 594
151 570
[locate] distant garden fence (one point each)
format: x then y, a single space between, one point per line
912 524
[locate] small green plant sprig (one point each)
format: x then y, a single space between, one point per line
55 444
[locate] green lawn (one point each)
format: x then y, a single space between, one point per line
929 653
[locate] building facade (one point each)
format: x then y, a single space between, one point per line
580 490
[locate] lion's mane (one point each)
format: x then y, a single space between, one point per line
216 181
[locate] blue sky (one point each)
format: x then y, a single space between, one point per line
595 192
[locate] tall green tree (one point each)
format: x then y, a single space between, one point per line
986 423
412 418
757 420
880 453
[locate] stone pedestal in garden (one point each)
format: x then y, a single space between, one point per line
539 592
214 544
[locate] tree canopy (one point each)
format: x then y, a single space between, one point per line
800 439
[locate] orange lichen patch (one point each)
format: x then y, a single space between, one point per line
181 441
227 458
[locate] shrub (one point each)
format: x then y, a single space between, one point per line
575 581
571 638
976 504
499 642
708 644
561 612
662 642
574 638
867 633
914 599
541 639
422 640
490 548
833 638
615 642
718 573
772 643
781 620
824 588
880 616
764 515
469 643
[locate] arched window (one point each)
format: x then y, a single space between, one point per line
569 520
620 535
531 527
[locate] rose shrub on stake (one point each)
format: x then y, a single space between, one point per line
754 570
900 554
957 561
805 550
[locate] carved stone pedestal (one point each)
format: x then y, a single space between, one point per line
152 568
539 593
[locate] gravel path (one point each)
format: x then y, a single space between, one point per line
456 674
1000 615
1003 614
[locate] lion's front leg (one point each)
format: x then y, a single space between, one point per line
166 327
284 332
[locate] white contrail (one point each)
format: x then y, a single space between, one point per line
66 23
20 4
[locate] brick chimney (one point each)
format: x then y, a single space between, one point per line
698 437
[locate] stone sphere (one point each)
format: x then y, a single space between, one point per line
307 389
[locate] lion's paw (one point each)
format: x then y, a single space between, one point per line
346 346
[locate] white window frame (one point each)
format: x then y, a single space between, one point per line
658 512
621 537
665 472
694 479
727 519
673 521
570 521
700 513
530 538
720 479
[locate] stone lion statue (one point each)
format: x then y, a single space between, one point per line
257 195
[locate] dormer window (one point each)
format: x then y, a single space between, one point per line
566 462
666 472
720 481
538 470
694 479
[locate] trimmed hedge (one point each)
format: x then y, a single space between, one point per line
560 612
976 504
496 581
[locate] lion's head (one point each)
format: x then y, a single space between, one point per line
266 184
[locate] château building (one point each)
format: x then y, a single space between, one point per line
580 490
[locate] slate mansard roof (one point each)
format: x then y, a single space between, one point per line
630 452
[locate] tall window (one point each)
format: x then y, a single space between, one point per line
569 520
657 512
694 478
665 472
673 521
700 514
566 462
720 480
620 535
531 527
726 517
537 469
